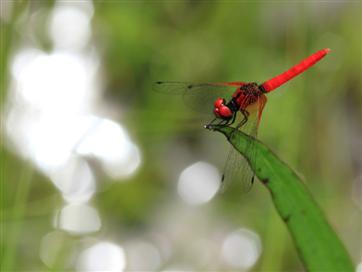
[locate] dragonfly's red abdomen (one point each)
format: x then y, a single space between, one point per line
279 80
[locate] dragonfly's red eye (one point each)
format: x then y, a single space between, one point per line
220 110
225 112
217 112
219 102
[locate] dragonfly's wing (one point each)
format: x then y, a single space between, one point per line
236 169
236 166
198 96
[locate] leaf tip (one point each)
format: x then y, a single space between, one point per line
209 127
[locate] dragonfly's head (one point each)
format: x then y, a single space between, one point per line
221 110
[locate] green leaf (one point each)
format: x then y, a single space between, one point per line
318 245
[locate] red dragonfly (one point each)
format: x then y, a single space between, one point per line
231 100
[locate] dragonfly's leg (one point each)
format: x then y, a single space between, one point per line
210 123
242 122
233 118
228 122
245 119
223 122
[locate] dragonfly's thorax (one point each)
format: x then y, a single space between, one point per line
247 95
233 105
243 97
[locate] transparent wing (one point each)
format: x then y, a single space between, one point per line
236 166
236 169
198 96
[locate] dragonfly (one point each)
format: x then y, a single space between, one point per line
236 104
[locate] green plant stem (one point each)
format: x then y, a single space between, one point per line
19 207
317 244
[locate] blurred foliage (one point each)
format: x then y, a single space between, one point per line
314 122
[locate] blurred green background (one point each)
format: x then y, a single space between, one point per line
314 123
